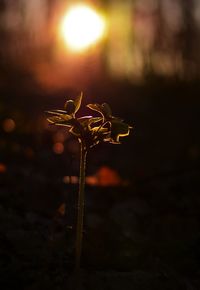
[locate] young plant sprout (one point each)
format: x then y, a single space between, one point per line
89 131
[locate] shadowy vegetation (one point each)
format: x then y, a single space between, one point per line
143 236
90 131
134 237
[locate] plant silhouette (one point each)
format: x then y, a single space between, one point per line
89 131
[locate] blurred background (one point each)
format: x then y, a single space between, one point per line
142 197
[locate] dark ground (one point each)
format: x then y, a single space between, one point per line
142 236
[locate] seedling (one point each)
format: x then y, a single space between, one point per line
89 131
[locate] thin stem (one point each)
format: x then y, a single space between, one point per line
80 208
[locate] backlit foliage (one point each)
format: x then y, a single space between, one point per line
89 129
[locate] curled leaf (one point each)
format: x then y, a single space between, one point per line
56 112
95 107
106 110
100 130
77 102
62 120
118 129
87 121
103 109
75 131
91 130
70 107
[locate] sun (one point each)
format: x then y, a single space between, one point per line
81 27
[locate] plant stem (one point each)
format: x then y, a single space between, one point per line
80 208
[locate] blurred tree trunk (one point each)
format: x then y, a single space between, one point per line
189 37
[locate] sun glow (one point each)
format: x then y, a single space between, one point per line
81 27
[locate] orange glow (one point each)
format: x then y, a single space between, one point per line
58 148
81 27
29 153
62 208
70 179
59 137
105 176
108 177
2 168
8 125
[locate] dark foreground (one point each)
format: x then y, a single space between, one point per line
144 236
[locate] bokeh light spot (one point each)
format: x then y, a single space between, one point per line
58 148
8 125
2 168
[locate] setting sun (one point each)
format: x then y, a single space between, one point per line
81 27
